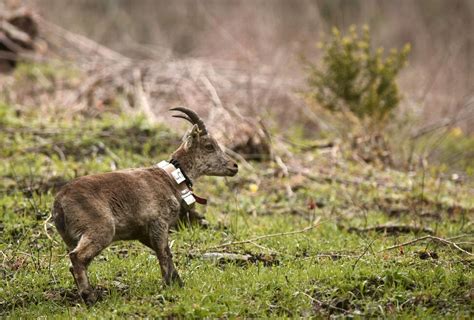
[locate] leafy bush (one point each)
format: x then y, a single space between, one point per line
354 79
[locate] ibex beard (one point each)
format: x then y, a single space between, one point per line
136 204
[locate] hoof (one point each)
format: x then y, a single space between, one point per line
174 279
178 281
89 296
203 223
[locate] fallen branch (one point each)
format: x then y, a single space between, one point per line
321 304
333 256
18 33
284 171
461 236
238 258
392 229
14 33
233 243
264 248
429 237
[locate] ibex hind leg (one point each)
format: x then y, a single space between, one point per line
89 246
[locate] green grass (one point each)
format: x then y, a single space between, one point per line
325 271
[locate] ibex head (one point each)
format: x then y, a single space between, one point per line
199 153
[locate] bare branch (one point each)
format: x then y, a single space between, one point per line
392 229
429 237
233 243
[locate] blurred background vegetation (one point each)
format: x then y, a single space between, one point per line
441 68
264 41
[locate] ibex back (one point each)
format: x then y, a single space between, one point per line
135 204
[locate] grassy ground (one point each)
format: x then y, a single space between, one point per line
334 269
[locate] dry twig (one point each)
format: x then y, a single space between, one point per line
363 254
252 240
429 237
320 303
284 170
392 229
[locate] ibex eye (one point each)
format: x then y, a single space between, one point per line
209 147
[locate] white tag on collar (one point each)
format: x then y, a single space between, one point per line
178 176
162 164
188 197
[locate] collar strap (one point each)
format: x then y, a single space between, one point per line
183 185
200 200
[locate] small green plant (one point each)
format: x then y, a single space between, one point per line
355 80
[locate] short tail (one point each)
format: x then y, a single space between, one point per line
58 217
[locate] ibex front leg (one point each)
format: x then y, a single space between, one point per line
191 216
159 242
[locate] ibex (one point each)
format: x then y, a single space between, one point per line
141 204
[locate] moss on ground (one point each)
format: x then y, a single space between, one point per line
327 271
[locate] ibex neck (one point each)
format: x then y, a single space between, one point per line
186 164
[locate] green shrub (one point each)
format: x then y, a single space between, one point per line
354 79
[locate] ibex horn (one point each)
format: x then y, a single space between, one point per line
192 117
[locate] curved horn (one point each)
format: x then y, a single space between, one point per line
183 117
192 117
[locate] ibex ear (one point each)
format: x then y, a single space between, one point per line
192 137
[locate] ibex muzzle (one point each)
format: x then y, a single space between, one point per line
135 204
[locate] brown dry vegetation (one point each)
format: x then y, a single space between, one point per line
203 55
265 37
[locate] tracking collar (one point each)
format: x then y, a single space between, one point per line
188 181
184 183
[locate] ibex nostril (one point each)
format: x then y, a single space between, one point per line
236 166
